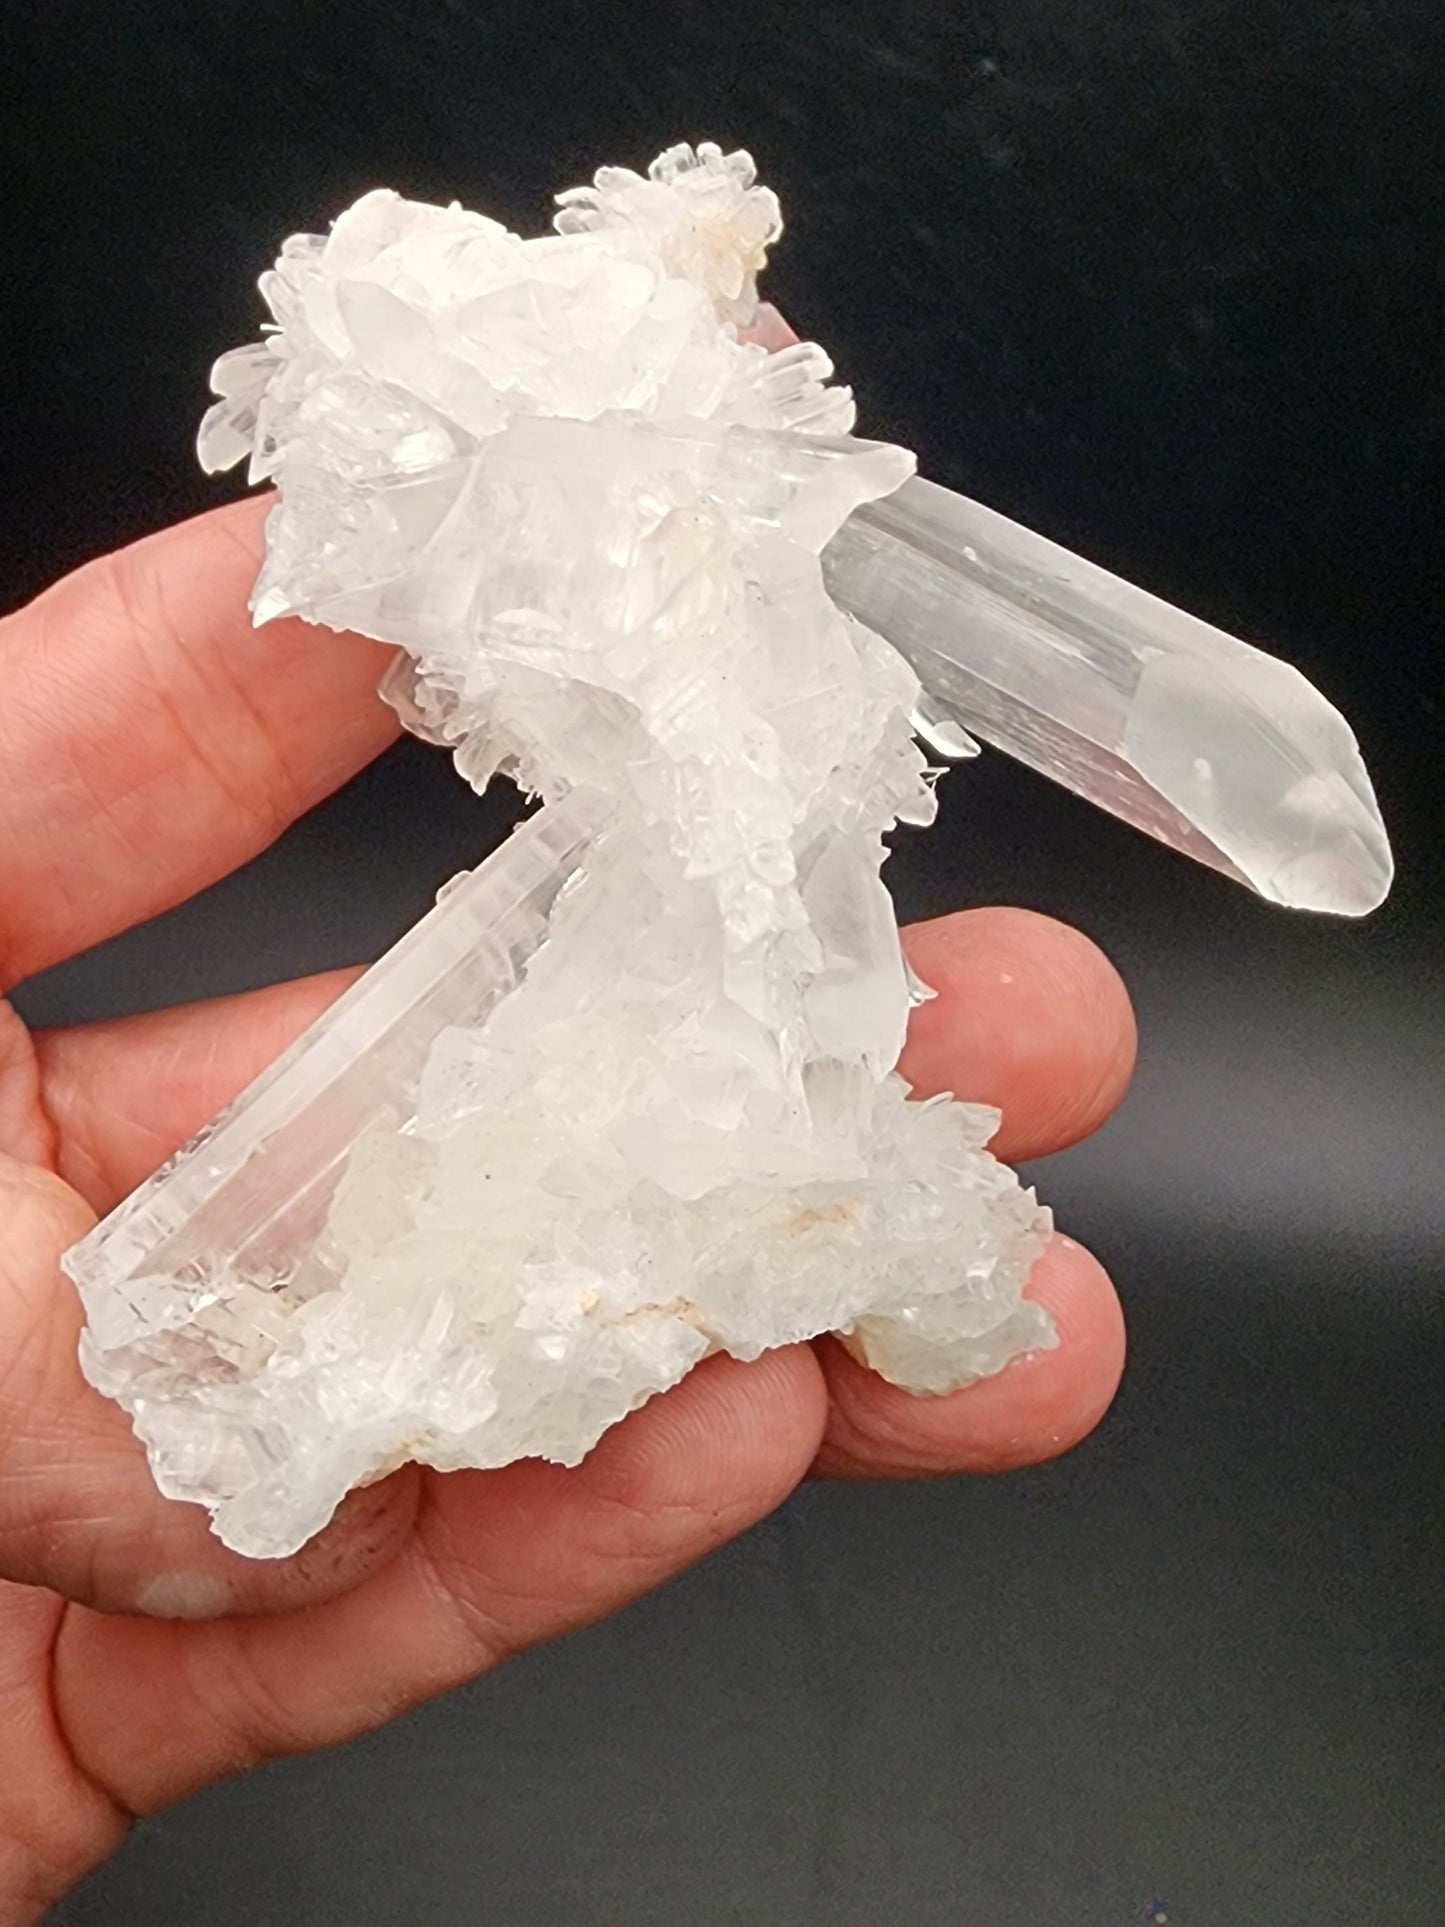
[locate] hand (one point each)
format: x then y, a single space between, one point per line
150 742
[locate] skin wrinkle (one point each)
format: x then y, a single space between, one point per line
50 1875
77 770
639 1566
618 1504
460 1582
27 1131
248 704
23 1335
79 1168
479 1630
271 797
259 1714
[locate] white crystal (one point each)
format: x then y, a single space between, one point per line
626 1097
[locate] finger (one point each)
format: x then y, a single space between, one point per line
151 740
1030 1017
500 1561
1035 1408
78 1511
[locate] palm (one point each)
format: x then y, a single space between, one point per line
152 742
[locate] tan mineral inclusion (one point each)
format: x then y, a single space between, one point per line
626 1096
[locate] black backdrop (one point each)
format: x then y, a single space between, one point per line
1162 277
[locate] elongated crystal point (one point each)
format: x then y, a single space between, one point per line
1210 745
244 1195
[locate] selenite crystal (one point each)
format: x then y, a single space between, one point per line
1211 745
626 1096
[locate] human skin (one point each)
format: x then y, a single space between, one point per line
150 742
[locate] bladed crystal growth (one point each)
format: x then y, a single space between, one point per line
627 1096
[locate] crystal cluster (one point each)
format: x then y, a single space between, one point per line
627 1096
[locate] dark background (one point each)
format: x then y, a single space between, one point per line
1162 278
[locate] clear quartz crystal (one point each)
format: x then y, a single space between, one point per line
1210 745
626 1096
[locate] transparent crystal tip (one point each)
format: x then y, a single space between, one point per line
1250 753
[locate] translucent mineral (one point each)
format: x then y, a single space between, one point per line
1218 749
627 1096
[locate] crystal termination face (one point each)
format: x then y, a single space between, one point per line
626 1097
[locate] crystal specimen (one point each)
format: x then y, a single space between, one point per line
626 1096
